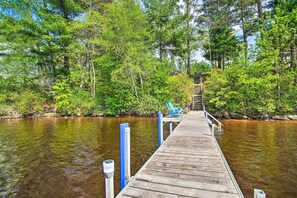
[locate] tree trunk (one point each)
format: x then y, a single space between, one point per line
223 62
244 35
210 56
160 51
188 53
141 82
93 89
82 79
66 63
259 9
66 15
260 15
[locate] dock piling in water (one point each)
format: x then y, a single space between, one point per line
128 154
160 129
170 127
123 154
258 193
108 169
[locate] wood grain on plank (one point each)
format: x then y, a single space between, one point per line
188 184
181 191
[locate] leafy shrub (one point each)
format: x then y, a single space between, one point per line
62 94
81 102
179 88
28 101
147 106
72 102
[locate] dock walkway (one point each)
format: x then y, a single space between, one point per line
188 164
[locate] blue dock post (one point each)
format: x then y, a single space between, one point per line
160 129
123 154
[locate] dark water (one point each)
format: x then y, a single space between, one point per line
262 155
62 157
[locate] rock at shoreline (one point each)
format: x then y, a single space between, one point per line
238 116
292 117
14 116
279 117
218 114
226 115
48 115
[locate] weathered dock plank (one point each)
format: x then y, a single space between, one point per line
188 164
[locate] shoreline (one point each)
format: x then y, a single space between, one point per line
225 116
57 115
236 116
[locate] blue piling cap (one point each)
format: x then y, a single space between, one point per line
212 122
170 121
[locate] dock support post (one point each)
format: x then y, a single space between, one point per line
220 127
212 128
160 129
128 165
170 127
258 193
108 169
123 154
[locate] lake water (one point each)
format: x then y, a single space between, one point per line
62 157
262 155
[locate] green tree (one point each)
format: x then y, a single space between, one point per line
245 15
221 44
165 19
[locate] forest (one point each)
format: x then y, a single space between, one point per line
128 57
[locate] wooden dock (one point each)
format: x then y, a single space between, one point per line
188 164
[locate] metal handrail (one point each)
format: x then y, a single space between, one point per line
220 125
208 114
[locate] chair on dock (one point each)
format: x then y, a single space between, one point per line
173 111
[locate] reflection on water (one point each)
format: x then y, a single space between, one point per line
262 155
62 157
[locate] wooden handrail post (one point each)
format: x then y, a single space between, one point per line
170 126
220 126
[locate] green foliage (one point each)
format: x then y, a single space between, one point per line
27 101
72 102
179 89
4 108
62 94
147 106
120 57
82 103
200 67
266 86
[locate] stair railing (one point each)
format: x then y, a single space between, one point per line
210 119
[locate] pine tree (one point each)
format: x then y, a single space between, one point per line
221 43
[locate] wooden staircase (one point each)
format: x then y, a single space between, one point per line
197 98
